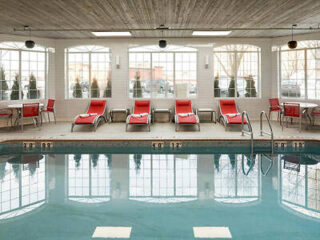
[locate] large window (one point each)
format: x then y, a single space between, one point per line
236 71
162 73
300 71
22 185
300 183
163 178
88 72
236 178
23 71
89 177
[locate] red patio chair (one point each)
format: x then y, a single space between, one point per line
141 114
315 113
229 114
49 109
184 114
275 107
30 111
6 113
96 111
291 110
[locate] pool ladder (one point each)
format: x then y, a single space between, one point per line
249 132
263 113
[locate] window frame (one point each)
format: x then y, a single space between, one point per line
46 66
66 67
235 52
305 55
150 52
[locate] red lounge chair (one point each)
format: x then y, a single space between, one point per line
141 114
49 109
97 110
184 114
229 113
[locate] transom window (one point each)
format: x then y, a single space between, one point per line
300 71
162 73
88 71
23 71
236 71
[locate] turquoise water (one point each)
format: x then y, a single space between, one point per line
50 195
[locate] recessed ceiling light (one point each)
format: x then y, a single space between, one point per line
210 33
112 34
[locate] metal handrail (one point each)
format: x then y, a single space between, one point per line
250 132
270 127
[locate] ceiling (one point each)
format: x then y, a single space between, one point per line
61 15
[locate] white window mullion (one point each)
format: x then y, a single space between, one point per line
235 75
305 75
174 75
151 67
19 78
89 85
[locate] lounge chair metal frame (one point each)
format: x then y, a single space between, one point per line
176 123
139 124
95 122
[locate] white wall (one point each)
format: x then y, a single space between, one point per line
67 108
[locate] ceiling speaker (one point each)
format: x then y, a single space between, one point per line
162 43
292 44
30 43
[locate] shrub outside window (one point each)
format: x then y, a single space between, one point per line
23 71
162 73
299 71
88 71
236 71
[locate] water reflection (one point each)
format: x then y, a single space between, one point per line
22 184
236 178
162 178
89 177
300 183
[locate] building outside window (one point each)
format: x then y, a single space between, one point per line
23 71
88 72
162 73
299 74
236 71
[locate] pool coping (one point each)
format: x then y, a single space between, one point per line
157 140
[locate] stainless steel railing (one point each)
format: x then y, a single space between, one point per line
270 127
249 132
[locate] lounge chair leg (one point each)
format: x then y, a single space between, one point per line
72 127
199 126
54 117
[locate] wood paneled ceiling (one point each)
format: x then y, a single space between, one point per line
149 14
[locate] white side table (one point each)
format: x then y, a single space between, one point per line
208 110
161 110
118 110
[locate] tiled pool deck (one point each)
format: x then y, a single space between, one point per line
163 131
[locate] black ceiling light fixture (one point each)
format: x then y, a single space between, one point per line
29 43
162 42
293 43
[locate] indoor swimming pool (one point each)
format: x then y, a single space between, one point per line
159 191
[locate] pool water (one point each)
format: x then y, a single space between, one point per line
51 195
